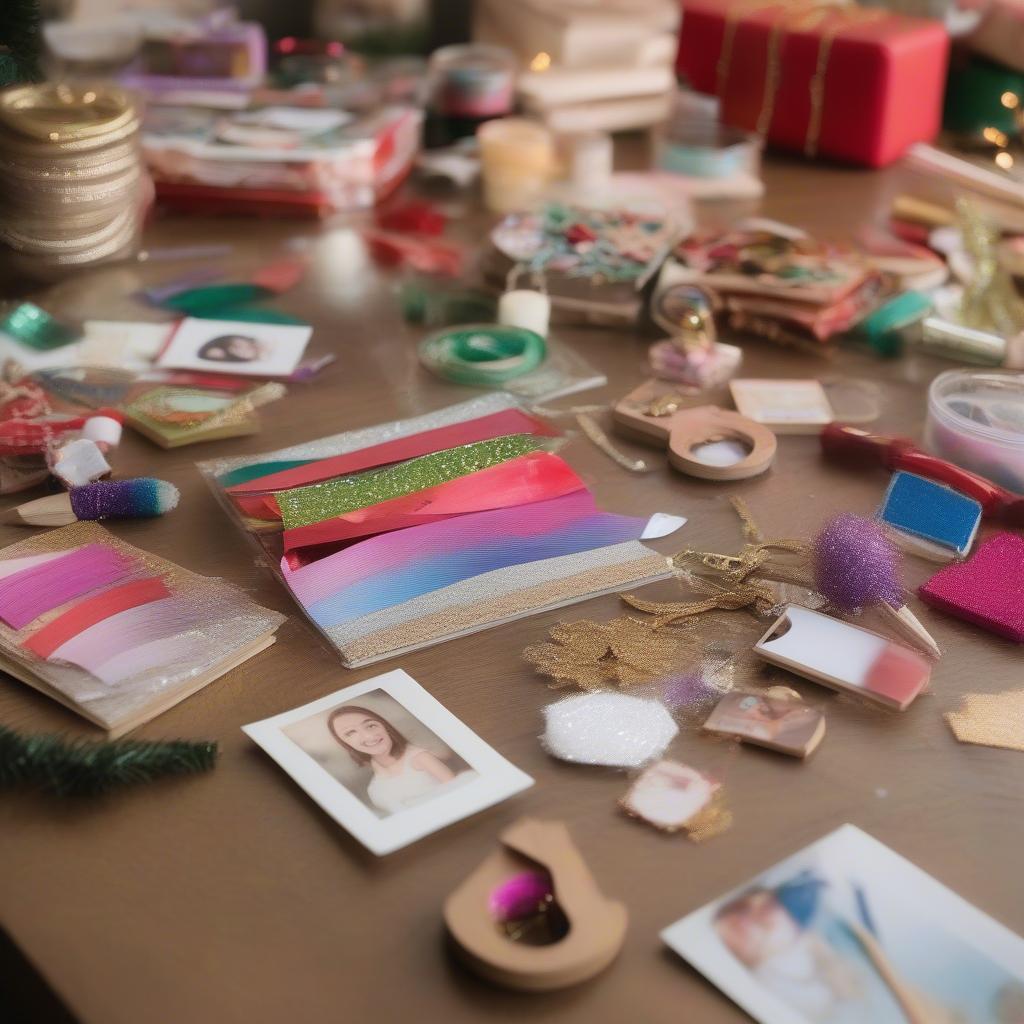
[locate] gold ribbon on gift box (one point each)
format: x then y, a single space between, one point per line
794 16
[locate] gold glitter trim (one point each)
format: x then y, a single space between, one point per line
990 719
595 656
715 819
466 618
761 595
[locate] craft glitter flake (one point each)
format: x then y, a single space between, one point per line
990 719
316 503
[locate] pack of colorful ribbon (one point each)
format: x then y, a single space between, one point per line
400 536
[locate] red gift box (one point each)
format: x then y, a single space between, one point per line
857 84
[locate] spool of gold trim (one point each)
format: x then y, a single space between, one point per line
73 191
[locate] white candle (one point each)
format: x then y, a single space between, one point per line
590 157
523 307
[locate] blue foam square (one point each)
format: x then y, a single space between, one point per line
933 511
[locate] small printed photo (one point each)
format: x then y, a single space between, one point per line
228 346
779 721
669 795
381 752
848 932
387 761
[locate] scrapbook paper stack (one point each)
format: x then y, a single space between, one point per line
400 536
776 281
116 633
603 67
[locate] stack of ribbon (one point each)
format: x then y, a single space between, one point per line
406 534
73 190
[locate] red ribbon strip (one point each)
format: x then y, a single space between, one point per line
95 609
484 428
27 437
533 477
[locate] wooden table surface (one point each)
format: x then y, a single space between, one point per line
231 898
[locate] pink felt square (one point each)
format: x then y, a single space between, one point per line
987 589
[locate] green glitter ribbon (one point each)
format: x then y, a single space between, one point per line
303 506
36 329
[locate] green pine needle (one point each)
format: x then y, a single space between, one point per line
21 38
89 767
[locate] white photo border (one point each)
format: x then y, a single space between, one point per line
693 937
497 778
180 351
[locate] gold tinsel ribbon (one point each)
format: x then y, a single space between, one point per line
626 651
744 578
990 301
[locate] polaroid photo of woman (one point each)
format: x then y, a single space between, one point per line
387 761
228 346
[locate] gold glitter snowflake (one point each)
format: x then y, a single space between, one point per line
596 656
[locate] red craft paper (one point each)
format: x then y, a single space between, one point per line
533 477
483 428
884 78
92 610
987 589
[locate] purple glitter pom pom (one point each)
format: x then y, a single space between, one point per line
855 564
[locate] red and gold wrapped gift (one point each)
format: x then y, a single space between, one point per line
856 84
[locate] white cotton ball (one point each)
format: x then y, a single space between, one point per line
103 430
607 728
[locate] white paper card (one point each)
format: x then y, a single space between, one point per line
387 761
848 932
228 346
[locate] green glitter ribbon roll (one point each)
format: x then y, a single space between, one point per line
482 355
36 329
303 506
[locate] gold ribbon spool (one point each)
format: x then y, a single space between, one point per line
62 113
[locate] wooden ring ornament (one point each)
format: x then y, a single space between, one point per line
653 413
597 925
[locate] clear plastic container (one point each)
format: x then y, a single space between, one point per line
976 421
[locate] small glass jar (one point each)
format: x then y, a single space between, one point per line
468 84
517 158
976 421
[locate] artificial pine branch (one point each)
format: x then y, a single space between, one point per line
20 41
89 767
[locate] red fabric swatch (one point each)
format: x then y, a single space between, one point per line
987 589
94 609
